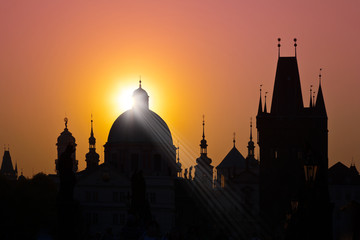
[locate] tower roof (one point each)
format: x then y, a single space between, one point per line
260 104
320 103
7 166
287 97
233 159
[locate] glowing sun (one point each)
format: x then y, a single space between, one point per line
125 99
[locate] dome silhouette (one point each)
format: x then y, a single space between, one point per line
140 126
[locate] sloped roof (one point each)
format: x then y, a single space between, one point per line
287 96
233 159
6 166
341 174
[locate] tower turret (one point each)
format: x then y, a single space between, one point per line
251 145
203 169
92 157
66 138
320 103
141 98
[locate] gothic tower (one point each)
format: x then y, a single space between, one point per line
287 135
65 139
203 169
92 157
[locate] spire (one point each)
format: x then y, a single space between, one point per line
279 45
203 143
92 139
140 82
295 45
251 145
260 103
92 131
311 101
92 157
265 110
234 139
250 129
203 136
320 103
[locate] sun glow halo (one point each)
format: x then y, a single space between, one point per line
125 99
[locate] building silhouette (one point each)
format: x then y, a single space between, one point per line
7 170
203 167
291 136
344 188
92 157
139 141
235 168
66 138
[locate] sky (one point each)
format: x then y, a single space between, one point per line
76 58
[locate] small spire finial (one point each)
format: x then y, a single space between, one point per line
311 102
265 109
234 140
250 129
295 45
66 121
203 127
314 98
140 82
260 102
92 132
320 76
279 45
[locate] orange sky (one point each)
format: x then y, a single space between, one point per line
195 57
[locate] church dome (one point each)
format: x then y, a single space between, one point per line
140 92
140 126
66 137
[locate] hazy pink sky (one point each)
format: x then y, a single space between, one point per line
75 58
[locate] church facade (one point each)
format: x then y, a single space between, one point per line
139 141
